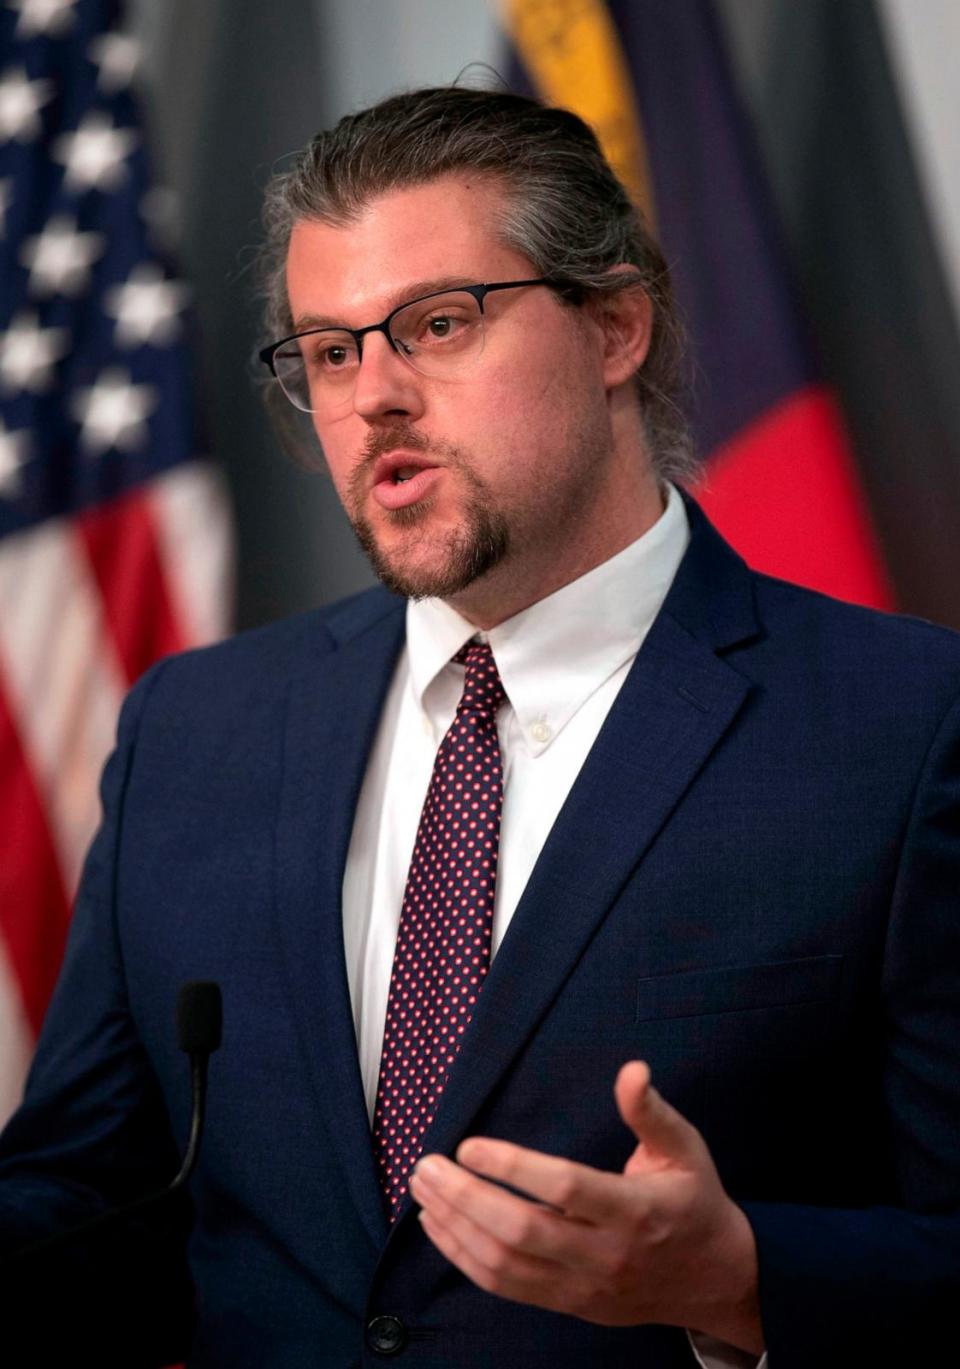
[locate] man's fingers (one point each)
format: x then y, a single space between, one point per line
447 1191
486 1247
494 1269
576 1191
663 1130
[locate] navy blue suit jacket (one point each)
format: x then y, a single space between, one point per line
754 885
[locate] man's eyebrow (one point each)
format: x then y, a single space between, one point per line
304 322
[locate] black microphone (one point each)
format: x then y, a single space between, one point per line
199 1031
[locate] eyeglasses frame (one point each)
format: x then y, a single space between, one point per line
479 293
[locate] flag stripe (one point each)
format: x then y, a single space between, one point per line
64 680
120 542
193 536
577 60
784 491
29 879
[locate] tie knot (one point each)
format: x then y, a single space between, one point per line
482 689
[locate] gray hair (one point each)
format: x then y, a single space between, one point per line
564 210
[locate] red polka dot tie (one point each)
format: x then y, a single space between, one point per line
443 944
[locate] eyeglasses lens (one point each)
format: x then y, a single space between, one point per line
439 336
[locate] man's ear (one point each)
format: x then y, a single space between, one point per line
626 318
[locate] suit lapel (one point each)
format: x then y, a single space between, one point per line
333 709
676 704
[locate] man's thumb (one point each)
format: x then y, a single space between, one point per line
651 1119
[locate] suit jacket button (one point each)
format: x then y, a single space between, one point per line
386 1335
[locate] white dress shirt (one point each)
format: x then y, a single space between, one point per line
562 662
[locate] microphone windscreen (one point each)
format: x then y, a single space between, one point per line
199 1017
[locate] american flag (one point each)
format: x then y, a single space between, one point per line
113 535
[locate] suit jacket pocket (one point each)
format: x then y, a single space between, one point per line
737 988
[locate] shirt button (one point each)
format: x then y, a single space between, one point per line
540 732
386 1335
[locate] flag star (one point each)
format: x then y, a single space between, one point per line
59 258
113 411
146 307
6 195
13 458
20 102
43 16
94 155
117 56
28 354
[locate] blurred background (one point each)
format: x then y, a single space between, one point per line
799 162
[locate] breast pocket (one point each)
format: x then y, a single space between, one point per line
737 988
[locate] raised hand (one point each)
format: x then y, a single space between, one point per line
661 1242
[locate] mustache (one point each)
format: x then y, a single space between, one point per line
382 440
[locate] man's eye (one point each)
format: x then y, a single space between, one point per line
441 327
331 356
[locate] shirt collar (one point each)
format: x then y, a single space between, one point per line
555 654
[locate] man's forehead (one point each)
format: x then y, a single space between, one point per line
415 238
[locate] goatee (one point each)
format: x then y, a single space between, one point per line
480 543
473 550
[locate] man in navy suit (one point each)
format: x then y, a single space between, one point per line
729 855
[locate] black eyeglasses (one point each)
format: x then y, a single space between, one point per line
440 335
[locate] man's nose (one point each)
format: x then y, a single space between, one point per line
386 384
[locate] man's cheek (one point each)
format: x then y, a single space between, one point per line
338 462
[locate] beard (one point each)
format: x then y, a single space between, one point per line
457 559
